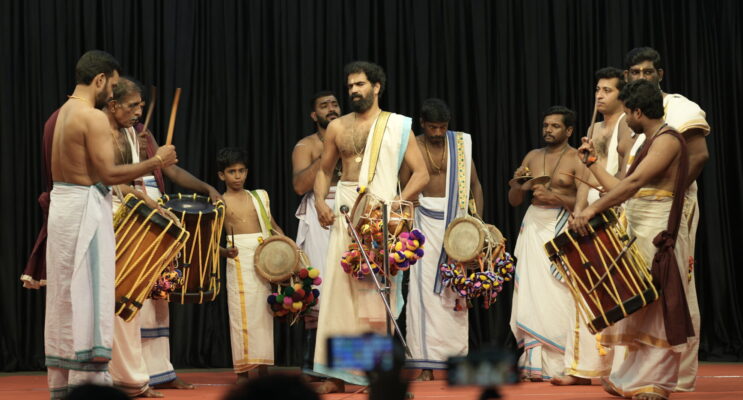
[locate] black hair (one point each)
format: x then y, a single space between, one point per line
643 95
641 54
126 86
93 63
319 94
435 110
273 387
609 73
568 115
230 156
374 73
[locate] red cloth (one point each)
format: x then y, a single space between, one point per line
36 265
664 271
150 150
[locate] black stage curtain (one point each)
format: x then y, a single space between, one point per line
248 68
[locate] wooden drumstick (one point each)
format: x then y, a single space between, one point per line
233 237
173 112
590 129
153 93
584 181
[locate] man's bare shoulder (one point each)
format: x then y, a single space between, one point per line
309 141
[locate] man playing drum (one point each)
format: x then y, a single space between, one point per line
141 353
78 330
371 159
311 237
658 333
437 324
541 311
248 222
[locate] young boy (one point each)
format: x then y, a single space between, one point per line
248 219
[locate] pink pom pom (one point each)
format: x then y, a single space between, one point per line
317 281
288 300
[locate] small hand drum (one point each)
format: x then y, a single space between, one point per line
467 238
200 262
367 210
277 259
146 243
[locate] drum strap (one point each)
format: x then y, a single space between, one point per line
264 215
377 137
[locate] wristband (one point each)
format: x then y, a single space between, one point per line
590 160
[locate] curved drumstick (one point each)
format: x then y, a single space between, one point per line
584 181
173 111
153 93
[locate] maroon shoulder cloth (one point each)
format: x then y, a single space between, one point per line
36 264
664 271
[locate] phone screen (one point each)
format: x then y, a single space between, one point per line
482 369
365 352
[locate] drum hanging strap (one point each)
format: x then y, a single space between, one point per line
264 214
377 137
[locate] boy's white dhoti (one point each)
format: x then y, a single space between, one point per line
78 327
542 304
251 320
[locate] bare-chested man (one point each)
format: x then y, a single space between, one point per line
80 247
312 238
437 324
540 317
350 306
611 138
651 368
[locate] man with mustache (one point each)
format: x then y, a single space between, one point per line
541 311
372 145
436 319
80 255
141 352
311 237
658 334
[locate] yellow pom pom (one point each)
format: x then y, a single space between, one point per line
409 254
297 306
313 273
362 189
398 246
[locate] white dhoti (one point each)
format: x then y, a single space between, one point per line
251 320
690 357
78 326
542 305
435 331
128 369
155 333
651 365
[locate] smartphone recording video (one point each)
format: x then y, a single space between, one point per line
365 352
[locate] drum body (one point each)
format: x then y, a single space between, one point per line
277 259
146 243
200 262
367 215
470 241
604 271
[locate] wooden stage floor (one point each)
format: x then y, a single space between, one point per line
716 381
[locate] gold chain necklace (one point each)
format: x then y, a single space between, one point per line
80 98
354 131
437 168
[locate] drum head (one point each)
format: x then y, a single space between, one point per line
495 234
277 259
190 204
464 239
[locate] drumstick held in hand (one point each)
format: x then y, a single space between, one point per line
153 93
173 111
584 181
233 237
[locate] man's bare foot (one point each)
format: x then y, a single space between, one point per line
176 383
242 377
425 375
647 396
331 385
568 380
608 388
150 393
